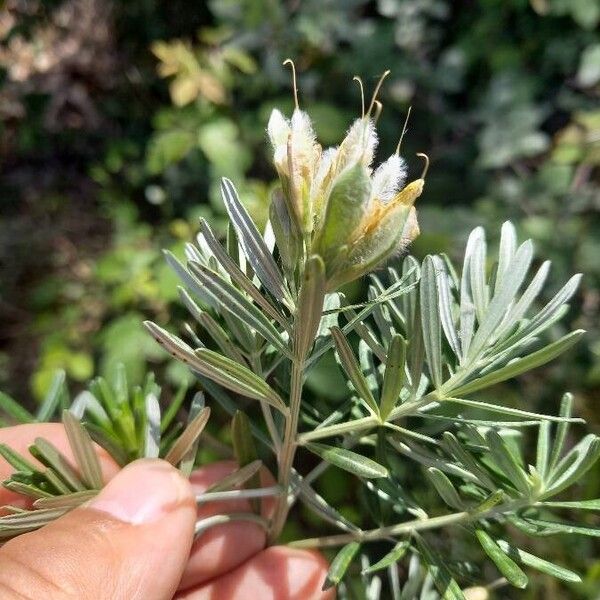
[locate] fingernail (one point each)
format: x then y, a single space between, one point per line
143 492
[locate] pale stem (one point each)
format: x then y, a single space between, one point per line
238 494
407 528
288 449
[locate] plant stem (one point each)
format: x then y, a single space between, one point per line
408 527
288 449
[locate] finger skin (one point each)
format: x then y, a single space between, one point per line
224 547
277 573
20 437
130 543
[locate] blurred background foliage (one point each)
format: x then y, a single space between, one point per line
119 118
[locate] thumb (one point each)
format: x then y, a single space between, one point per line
131 542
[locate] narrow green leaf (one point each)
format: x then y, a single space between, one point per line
310 304
566 410
83 451
243 443
543 449
237 478
352 462
238 276
67 501
252 243
430 320
13 525
352 369
16 461
53 398
188 460
25 489
541 527
505 459
220 369
479 288
506 410
340 565
453 447
506 565
190 281
445 306
521 365
445 488
393 379
173 408
506 252
14 410
189 436
538 563
576 504
391 558
574 465
232 300
51 457
442 578
152 429
238 378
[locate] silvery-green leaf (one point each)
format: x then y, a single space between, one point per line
55 397
232 300
237 478
502 298
340 564
67 501
238 276
543 449
542 527
190 281
50 456
574 465
538 563
173 408
506 252
520 365
254 247
188 460
444 488
352 369
310 304
451 444
152 432
237 378
13 525
391 558
430 320
83 451
576 504
506 410
566 410
507 462
14 410
506 565
445 306
444 582
393 379
187 439
521 307
352 462
477 258
16 461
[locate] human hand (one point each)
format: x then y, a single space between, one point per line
134 541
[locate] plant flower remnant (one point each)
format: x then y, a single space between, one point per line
333 202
